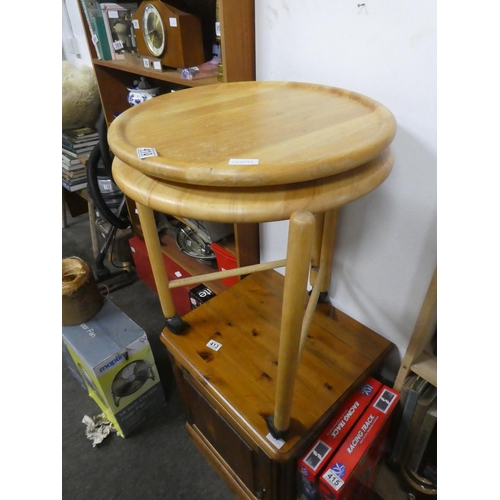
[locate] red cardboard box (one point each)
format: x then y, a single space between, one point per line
225 261
352 470
317 456
142 265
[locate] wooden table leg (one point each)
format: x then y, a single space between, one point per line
146 217
300 240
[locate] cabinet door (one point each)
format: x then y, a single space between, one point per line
236 452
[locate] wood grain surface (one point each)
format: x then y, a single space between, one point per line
297 131
241 375
252 204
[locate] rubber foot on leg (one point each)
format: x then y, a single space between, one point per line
275 432
176 324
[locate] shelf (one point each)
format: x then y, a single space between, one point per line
426 367
135 66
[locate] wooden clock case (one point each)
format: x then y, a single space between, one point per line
184 40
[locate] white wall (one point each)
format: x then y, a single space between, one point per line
386 244
74 45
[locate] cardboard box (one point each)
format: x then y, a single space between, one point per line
199 295
114 358
225 262
319 453
180 295
351 473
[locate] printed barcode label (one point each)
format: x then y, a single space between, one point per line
214 345
146 152
384 401
333 479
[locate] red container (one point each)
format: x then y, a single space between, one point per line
180 295
225 261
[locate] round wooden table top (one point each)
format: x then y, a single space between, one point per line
252 134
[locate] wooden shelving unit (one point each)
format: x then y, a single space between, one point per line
417 359
238 58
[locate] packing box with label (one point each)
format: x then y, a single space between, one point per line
199 295
351 472
114 358
314 460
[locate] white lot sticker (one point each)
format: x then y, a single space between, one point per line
333 479
243 161
214 345
146 152
277 442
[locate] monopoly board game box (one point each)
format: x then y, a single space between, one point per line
352 470
114 359
314 460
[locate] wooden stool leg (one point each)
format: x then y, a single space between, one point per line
146 216
321 280
327 244
300 240
316 249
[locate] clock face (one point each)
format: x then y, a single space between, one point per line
153 30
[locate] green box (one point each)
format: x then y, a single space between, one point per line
114 358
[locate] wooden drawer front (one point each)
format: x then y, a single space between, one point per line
237 453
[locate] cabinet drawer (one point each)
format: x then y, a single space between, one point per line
236 452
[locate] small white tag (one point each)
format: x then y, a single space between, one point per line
333 479
214 345
133 249
146 152
173 22
146 62
243 161
113 14
135 24
94 39
178 274
156 64
277 442
118 45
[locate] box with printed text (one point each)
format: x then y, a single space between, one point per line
314 460
351 472
114 358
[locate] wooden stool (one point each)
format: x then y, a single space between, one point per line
253 152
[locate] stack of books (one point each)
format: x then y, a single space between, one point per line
76 147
